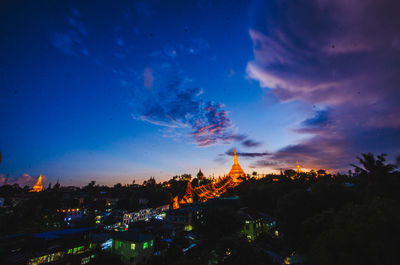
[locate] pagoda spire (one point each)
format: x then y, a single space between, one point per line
235 159
38 187
236 170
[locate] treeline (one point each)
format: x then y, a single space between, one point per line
339 219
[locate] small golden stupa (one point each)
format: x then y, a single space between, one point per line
38 187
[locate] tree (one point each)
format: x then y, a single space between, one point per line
373 166
359 234
290 173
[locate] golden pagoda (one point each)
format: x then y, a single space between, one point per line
298 167
38 187
236 170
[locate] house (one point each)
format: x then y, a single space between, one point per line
256 224
133 246
68 246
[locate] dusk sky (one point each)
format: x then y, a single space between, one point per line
124 90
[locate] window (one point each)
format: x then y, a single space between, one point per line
145 245
85 260
151 243
120 244
133 246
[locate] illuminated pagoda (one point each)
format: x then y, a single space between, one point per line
236 170
38 187
298 168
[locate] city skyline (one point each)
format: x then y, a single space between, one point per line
162 88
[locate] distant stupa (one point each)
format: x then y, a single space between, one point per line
38 187
236 170
298 167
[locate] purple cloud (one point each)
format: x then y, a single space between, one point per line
343 56
230 152
251 143
174 103
22 180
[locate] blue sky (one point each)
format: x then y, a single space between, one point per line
136 89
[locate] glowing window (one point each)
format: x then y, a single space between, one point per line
151 243
133 246
145 245
120 244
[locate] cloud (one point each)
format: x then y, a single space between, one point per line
230 152
340 55
71 41
173 102
251 143
22 180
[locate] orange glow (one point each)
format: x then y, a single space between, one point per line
236 170
38 187
175 204
216 187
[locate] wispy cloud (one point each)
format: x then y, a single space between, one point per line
174 102
230 152
71 40
251 143
341 62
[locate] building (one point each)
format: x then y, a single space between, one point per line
72 215
236 170
38 187
143 214
68 246
256 224
133 247
184 217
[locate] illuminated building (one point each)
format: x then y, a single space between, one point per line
133 247
68 246
188 198
236 170
72 215
298 167
38 187
143 214
175 203
216 187
256 224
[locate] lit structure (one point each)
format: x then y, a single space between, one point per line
298 167
133 247
38 187
188 198
216 187
68 246
175 204
236 170
143 214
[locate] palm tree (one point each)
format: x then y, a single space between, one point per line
372 165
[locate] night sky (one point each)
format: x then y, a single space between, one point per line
123 90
